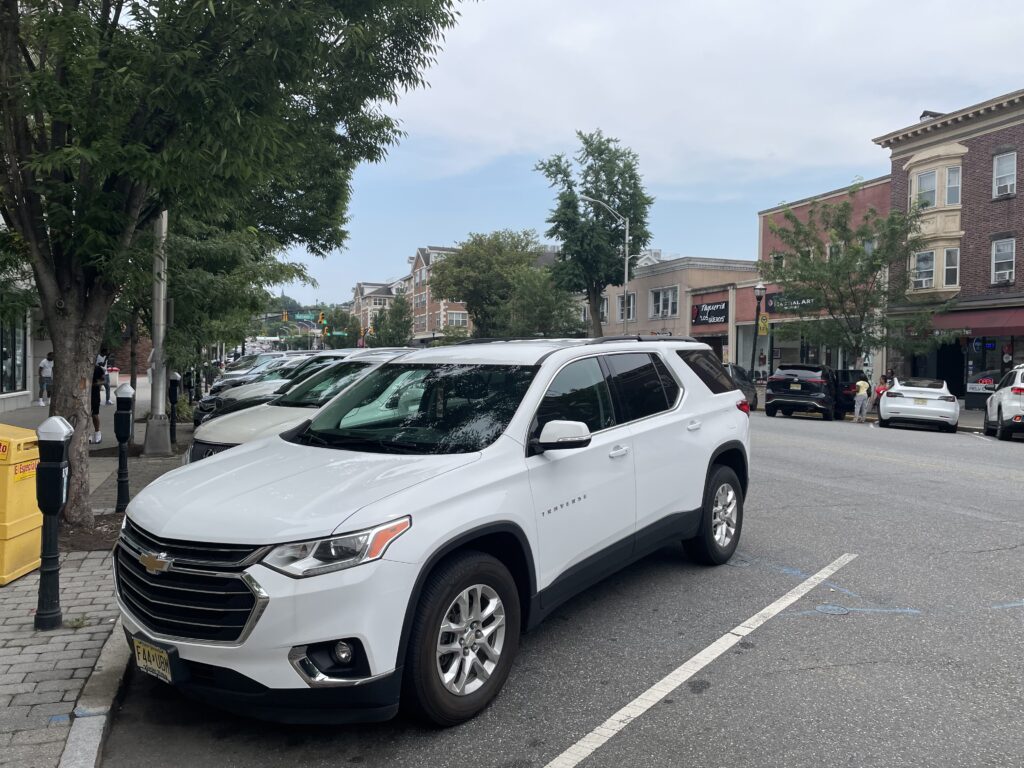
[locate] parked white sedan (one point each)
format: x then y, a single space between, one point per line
919 401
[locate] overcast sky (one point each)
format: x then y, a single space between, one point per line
733 107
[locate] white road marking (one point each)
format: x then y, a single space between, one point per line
980 437
586 746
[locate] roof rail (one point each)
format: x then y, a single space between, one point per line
492 340
637 337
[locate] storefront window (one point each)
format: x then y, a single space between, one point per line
994 353
13 345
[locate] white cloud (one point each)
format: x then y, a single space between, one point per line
710 94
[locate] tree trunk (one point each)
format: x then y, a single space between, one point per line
74 356
594 302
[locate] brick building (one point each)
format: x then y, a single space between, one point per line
963 168
874 194
431 313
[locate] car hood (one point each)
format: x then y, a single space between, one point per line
272 491
255 389
244 426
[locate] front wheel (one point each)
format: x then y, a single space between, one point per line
463 640
1002 433
987 427
721 519
828 414
883 422
769 411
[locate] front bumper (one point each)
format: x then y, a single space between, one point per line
257 676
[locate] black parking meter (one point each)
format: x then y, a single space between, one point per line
173 387
52 476
123 419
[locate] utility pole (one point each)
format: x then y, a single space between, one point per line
158 429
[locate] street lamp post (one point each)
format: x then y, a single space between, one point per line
624 220
759 291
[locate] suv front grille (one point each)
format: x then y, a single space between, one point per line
187 600
200 450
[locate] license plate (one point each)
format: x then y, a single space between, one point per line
920 401
152 660
795 386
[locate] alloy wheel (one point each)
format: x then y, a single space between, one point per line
723 515
470 639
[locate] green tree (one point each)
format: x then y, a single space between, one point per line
110 113
284 302
345 322
393 325
482 272
450 334
592 238
838 276
538 307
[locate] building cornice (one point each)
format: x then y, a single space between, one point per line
826 195
977 112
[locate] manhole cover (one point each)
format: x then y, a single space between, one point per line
832 610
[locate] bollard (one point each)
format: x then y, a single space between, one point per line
173 386
123 428
51 495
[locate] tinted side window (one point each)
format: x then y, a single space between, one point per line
578 393
1007 380
668 381
708 369
638 385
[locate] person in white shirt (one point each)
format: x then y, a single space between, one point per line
103 361
45 379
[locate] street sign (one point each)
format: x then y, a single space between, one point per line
339 333
762 324
303 315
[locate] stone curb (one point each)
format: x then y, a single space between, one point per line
92 711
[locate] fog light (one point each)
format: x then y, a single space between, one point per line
342 652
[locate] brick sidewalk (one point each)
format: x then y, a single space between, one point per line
42 674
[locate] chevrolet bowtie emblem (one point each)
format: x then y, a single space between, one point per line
155 563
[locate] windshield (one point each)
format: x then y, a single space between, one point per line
318 389
423 408
922 383
278 371
245 361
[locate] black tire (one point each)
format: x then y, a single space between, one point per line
703 547
883 423
1002 433
986 426
787 411
769 411
423 690
948 428
828 415
753 405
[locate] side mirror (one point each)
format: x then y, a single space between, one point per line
563 435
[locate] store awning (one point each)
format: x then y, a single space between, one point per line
983 322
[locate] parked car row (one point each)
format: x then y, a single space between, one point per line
386 529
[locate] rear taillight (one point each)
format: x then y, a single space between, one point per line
849 390
1017 390
947 399
744 406
815 381
890 393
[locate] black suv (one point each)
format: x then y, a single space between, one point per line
847 379
798 387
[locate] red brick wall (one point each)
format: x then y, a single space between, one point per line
877 196
982 217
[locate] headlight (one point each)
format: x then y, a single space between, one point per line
311 558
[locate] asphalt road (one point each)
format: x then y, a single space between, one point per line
910 655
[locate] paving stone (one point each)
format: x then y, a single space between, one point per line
32 754
62 708
16 688
59 685
12 677
40 736
74 664
38 697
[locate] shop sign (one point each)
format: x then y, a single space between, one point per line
710 314
777 302
762 324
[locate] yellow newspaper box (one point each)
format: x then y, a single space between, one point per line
20 519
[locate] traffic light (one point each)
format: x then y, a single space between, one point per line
326 331
284 316
322 318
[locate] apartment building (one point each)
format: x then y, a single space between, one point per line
432 313
963 169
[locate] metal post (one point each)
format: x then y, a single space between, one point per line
123 423
51 495
625 282
158 437
753 341
172 393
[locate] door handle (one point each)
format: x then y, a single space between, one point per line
693 426
617 451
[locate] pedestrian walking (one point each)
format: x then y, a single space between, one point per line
45 379
860 399
98 373
103 361
880 388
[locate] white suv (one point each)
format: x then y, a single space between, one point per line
1004 409
395 545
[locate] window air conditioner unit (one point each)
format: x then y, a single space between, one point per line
1005 276
1006 189
923 283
